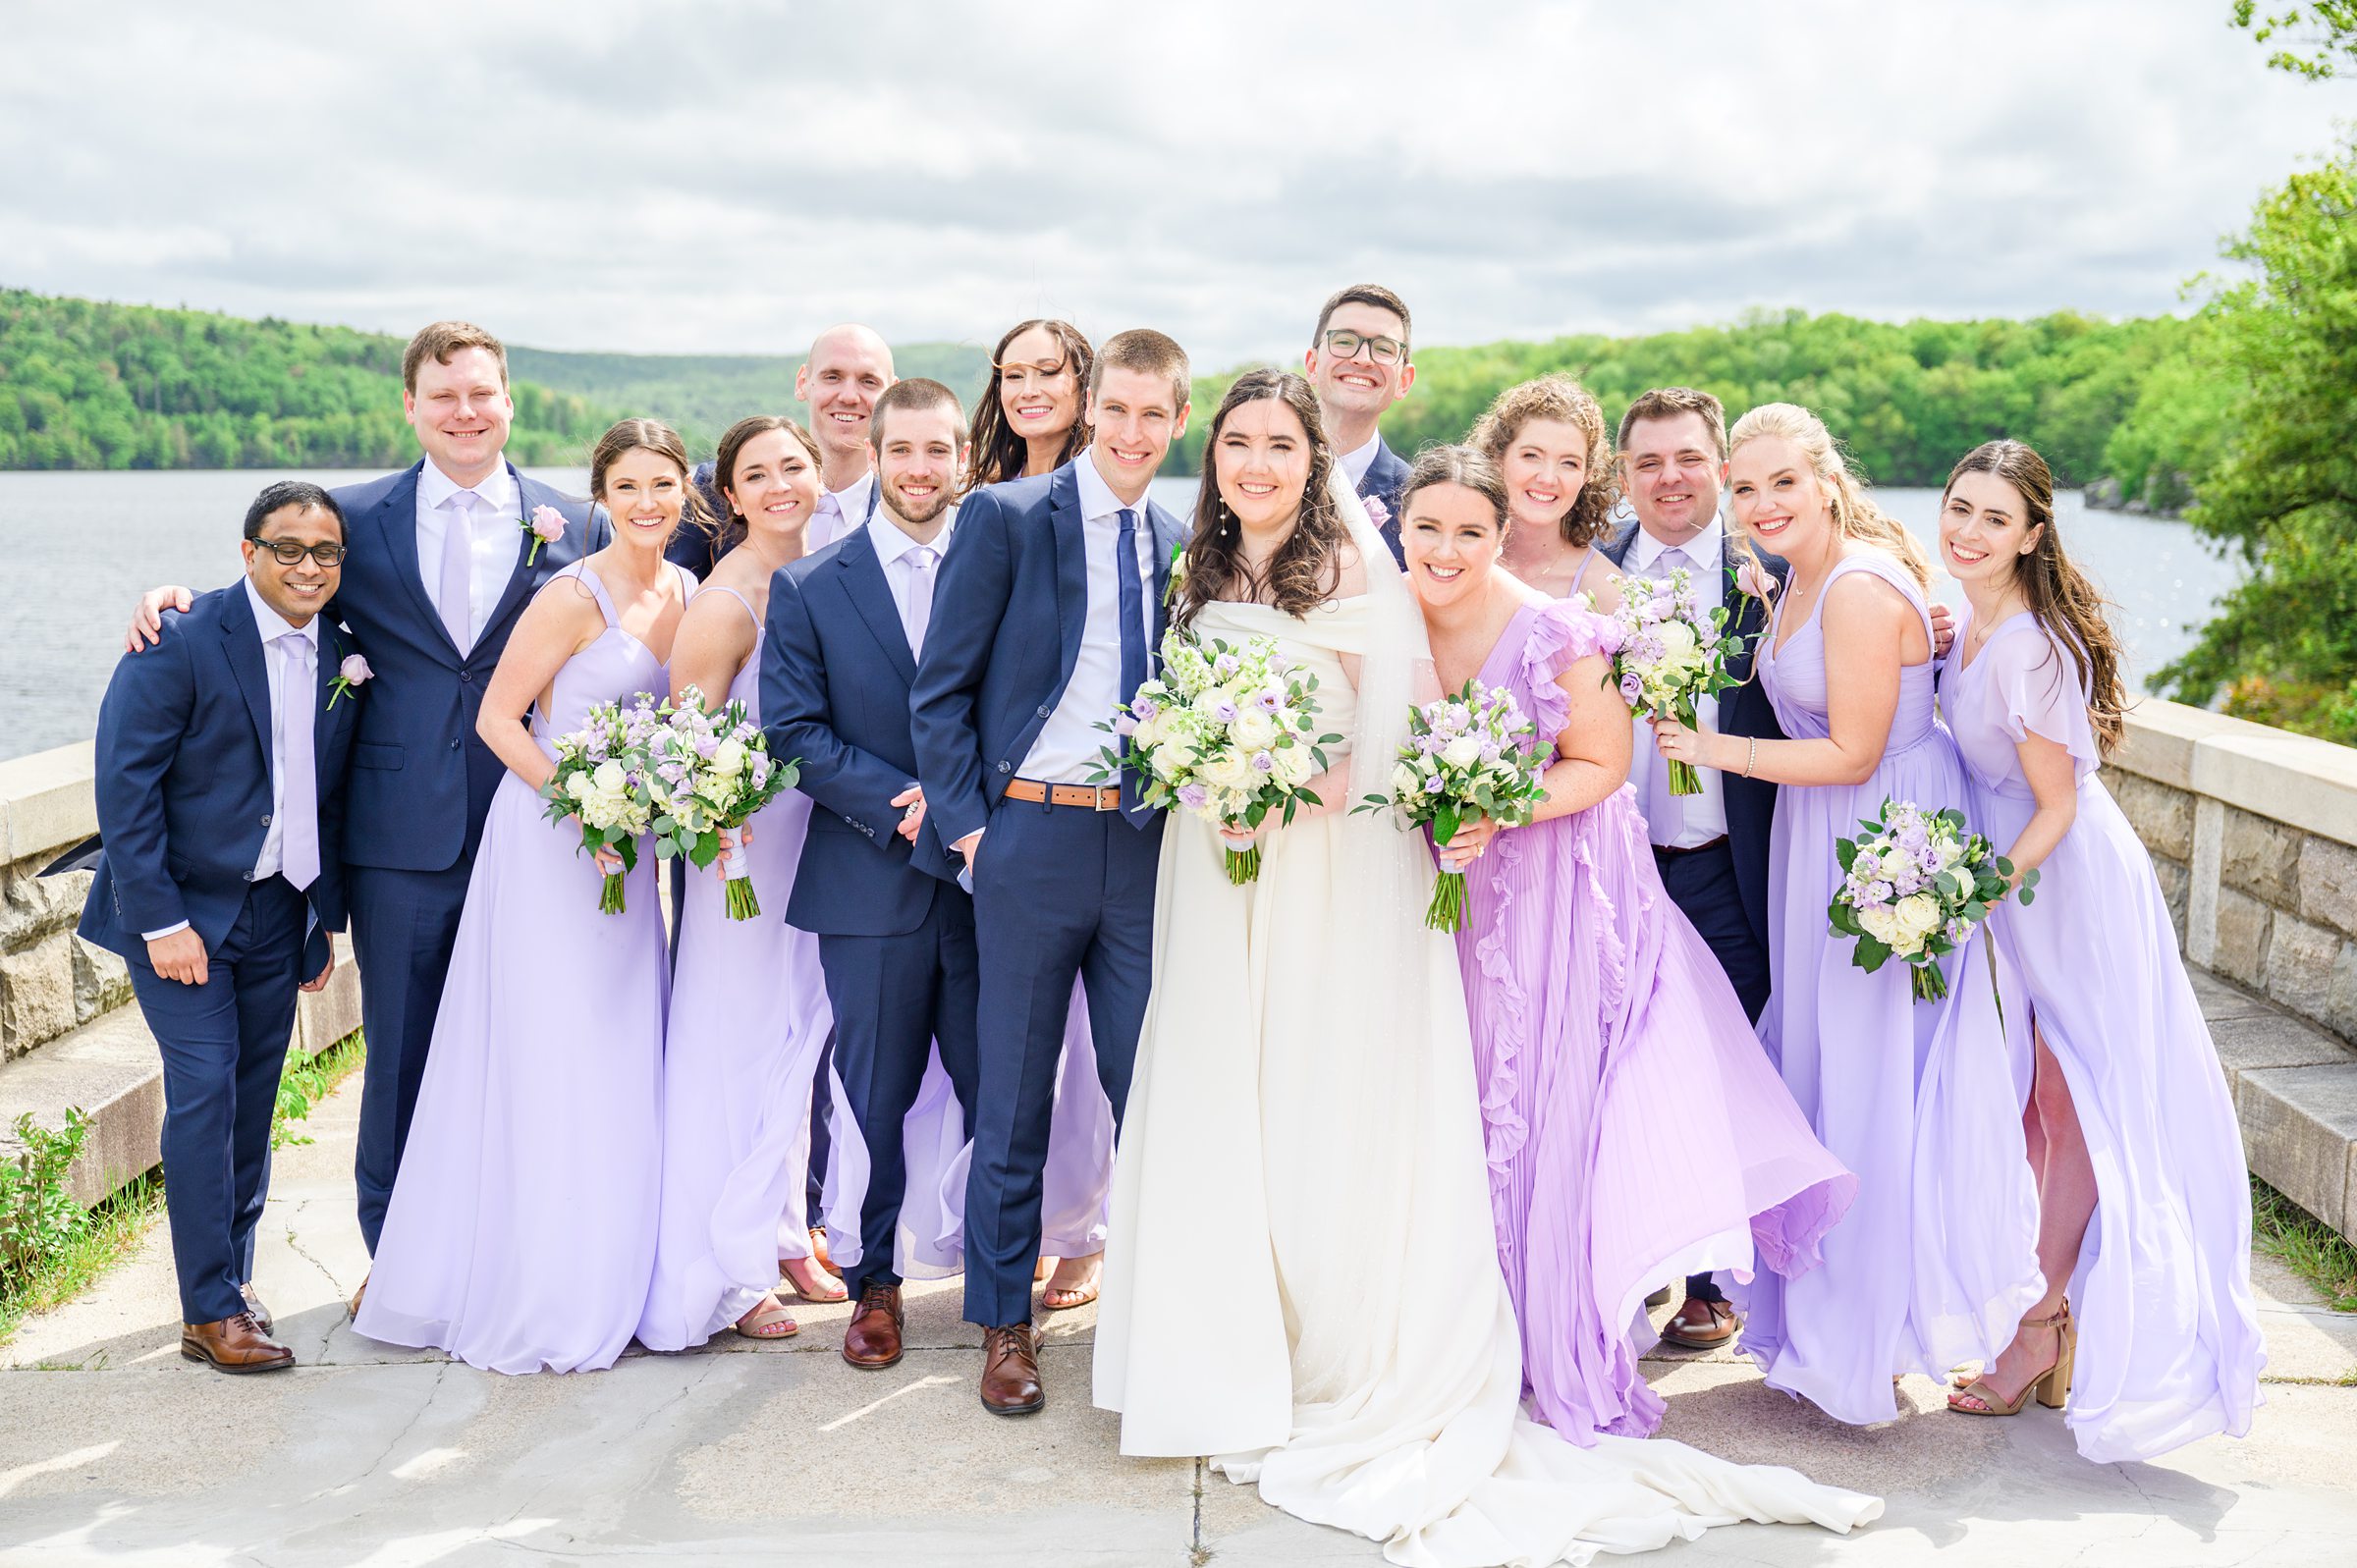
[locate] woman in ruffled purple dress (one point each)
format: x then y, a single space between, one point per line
2145 1216
1937 1260
1607 1044
749 1005
521 1235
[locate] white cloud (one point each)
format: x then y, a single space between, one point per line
728 177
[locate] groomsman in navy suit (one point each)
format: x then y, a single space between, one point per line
1050 602
1358 362
1712 849
896 931
443 561
220 784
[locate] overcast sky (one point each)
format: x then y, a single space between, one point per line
728 178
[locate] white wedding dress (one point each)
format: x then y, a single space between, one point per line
1306 1074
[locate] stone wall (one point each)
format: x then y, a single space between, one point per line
2253 832
51 981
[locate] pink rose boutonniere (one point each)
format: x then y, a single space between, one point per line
1756 580
546 526
1377 513
351 675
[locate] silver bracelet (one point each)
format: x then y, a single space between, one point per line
1752 757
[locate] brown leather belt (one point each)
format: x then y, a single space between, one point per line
1087 797
1665 850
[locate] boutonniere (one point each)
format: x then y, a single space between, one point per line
546 526
1756 580
351 675
1176 575
1377 513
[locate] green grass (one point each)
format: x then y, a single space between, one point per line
2304 1244
112 1234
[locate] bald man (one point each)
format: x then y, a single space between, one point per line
848 370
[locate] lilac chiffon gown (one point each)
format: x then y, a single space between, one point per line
1635 1131
748 1020
1937 1260
521 1235
2169 1348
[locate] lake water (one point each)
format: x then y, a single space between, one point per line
76 549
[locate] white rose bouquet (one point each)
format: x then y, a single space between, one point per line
712 771
1914 883
602 780
1670 655
1228 733
1465 756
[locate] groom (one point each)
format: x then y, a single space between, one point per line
1050 606
441 566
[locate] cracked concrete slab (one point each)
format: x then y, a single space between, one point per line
743 1451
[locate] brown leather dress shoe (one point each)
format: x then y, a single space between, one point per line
872 1338
255 1309
233 1344
1011 1371
1701 1325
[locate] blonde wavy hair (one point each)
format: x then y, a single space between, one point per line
1854 513
1557 397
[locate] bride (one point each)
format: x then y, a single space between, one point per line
1306 1074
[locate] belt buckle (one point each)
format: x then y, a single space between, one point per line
1108 798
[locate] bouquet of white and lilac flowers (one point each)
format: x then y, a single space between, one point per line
602 780
1671 656
712 772
1914 884
1466 756
1228 733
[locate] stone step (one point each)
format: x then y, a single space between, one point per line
109 1067
2295 1093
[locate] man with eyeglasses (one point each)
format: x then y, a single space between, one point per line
1358 362
220 786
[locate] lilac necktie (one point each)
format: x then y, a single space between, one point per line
921 595
824 522
1665 813
456 600
299 804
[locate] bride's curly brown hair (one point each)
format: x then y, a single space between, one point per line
1306 568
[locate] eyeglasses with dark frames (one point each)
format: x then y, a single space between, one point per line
1344 344
289 552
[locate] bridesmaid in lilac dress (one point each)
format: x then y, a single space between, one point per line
749 1005
521 1235
1937 1260
1553 453
2131 1124
1607 1044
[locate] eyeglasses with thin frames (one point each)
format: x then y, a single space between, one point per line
289 552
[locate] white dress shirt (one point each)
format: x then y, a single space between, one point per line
497 520
1705 812
899 555
270 625
850 502
1066 750
1356 463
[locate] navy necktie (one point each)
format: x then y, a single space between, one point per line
1133 602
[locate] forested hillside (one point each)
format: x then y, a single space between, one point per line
1909 398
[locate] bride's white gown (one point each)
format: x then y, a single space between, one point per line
1306 1074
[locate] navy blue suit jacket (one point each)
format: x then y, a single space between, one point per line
1382 482
184 781
835 677
1744 710
421 778
1008 615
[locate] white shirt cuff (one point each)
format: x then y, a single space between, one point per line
159 936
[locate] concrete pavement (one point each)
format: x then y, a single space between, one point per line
114 1450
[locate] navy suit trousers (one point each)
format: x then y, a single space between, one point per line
894 999
404 925
224 1043
1060 893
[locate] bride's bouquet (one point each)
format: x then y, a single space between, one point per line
1914 883
712 772
1228 733
1671 656
1465 756
602 781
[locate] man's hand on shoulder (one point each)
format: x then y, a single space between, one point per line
147 620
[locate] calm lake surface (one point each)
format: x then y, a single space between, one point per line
77 550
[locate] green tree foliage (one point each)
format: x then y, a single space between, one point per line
88 385
2278 482
1909 398
2321 30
